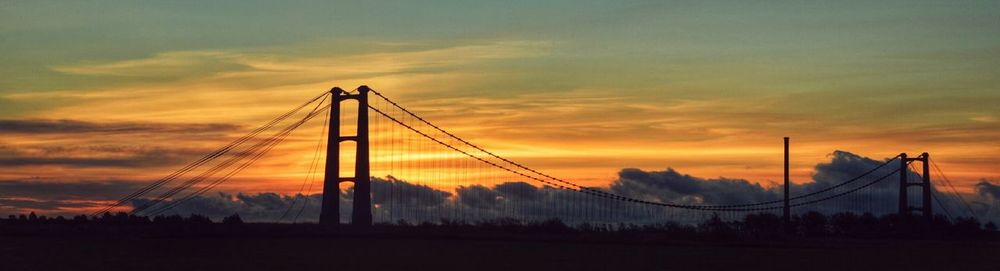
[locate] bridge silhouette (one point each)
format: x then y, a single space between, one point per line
426 174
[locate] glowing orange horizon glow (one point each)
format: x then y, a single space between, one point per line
580 93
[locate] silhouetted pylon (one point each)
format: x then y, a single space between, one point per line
361 214
925 200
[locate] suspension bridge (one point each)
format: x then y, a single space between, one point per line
406 168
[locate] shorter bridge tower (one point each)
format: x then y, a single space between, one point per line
925 207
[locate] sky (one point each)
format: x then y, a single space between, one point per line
123 91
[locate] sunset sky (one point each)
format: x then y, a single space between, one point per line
98 91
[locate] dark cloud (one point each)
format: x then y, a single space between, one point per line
59 197
390 187
988 204
478 196
404 200
75 126
137 161
96 156
845 165
518 191
879 198
669 186
988 190
262 207
672 187
115 154
396 199
263 200
524 201
44 205
64 190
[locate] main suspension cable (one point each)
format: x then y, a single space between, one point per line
589 190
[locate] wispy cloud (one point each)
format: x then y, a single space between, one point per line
35 126
282 66
167 64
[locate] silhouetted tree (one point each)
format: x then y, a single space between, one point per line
762 225
198 219
553 226
812 224
845 223
168 220
715 226
966 226
233 219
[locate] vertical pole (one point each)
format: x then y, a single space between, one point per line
362 212
330 209
904 206
787 208
927 206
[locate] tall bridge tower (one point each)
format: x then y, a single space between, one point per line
361 214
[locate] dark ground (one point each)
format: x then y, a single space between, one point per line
352 251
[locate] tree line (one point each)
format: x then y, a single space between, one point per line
752 226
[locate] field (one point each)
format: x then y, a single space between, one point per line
409 251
